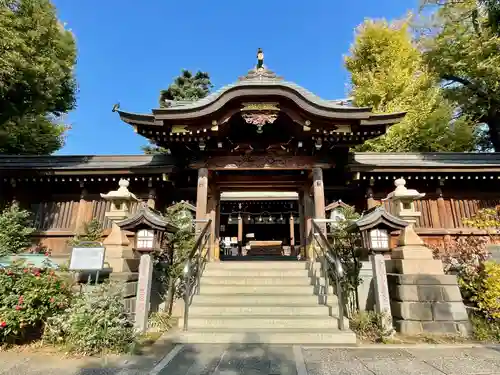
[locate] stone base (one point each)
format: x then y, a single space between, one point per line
409 327
413 266
427 303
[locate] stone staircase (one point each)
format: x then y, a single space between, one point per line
268 302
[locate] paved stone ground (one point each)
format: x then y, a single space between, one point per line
242 359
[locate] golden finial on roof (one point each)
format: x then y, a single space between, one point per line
260 58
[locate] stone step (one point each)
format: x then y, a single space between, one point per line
311 310
300 289
243 272
261 265
257 299
266 336
261 322
255 280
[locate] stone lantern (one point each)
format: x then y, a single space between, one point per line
117 244
423 298
150 228
375 227
410 245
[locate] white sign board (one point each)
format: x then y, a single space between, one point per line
87 259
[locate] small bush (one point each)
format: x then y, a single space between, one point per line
16 228
96 322
368 325
485 329
488 292
92 232
28 297
464 257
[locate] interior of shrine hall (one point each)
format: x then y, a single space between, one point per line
259 223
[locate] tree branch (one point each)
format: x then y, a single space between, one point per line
470 85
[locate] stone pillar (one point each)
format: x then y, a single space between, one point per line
201 198
119 255
240 235
423 299
143 293
382 299
292 234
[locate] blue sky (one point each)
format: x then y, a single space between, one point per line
129 50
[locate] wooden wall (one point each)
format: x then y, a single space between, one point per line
444 207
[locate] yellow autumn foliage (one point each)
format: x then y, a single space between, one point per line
488 296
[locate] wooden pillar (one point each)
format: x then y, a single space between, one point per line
213 203
292 234
444 218
82 214
302 227
308 215
217 227
370 201
201 198
151 195
240 235
319 197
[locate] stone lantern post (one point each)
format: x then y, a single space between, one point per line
411 256
423 298
117 244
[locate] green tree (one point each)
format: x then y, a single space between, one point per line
16 228
186 87
170 261
461 40
388 74
37 81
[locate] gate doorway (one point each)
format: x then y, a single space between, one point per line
259 224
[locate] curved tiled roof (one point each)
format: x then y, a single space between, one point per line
259 81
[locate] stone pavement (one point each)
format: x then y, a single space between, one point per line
243 359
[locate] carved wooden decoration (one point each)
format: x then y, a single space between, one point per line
266 161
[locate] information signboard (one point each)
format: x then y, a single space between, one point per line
87 258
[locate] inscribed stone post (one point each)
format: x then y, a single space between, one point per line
382 299
143 293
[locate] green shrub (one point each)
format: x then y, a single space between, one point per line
485 329
28 297
92 232
96 322
488 292
16 228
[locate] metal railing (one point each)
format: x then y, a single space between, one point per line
194 267
330 265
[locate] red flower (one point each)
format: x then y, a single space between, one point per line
46 253
18 307
3 324
9 272
25 270
21 298
52 300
